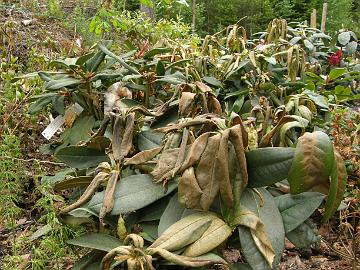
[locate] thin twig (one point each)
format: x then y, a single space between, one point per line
33 159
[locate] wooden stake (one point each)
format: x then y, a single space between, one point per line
323 17
313 19
193 26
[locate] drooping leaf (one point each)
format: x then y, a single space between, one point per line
81 157
96 241
313 161
295 209
205 172
269 165
132 193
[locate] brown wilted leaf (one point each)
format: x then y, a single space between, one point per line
186 103
221 174
195 151
126 142
203 87
165 165
108 202
143 156
117 137
189 191
205 172
214 105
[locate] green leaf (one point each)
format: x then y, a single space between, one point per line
295 209
61 83
149 139
58 177
81 157
160 69
40 104
267 166
173 213
212 81
304 235
133 193
336 73
344 38
96 241
308 45
104 49
73 182
270 216
151 53
80 131
313 161
86 261
319 100
239 102
240 266
338 179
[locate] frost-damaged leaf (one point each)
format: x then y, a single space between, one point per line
117 136
304 235
267 166
88 193
143 156
81 157
312 165
184 232
97 241
196 150
133 193
165 165
186 103
205 172
108 202
189 190
295 209
126 142
239 182
270 216
222 173
338 180
216 234
184 260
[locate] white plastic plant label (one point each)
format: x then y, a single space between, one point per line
54 126
51 129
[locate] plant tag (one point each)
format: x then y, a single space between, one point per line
51 129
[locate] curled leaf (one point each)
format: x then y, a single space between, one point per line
184 232
143 156
217 233
189 190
